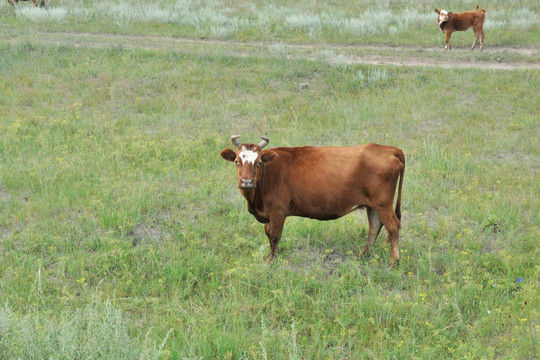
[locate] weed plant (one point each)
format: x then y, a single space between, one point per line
97 331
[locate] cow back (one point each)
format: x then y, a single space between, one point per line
328 182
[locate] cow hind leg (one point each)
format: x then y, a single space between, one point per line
476 37
481 31
375 225
274 230
391 223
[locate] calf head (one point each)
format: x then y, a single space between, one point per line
444 16
249 160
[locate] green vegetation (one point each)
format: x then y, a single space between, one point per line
122 234
347 21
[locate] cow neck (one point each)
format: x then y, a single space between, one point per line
254 197
444 24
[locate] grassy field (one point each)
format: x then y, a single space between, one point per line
313 21
123 236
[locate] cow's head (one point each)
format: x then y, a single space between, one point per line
249 160
444 16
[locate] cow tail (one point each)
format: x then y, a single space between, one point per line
401 158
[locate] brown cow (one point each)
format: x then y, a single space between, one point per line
41 4
322 183
450 22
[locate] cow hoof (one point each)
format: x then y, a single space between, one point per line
393 263
365 252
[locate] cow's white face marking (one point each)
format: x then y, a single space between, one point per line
443 16
248 156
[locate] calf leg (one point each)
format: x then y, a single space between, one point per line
448 46
375 225
273 230
481 31
476 37
391 223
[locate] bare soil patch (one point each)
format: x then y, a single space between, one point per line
492 58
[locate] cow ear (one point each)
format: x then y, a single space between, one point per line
268 156
437 11
450 13
228 155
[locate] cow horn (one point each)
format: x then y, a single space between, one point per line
235 141
264 142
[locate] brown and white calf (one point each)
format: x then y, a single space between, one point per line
322 183
41 3
450 22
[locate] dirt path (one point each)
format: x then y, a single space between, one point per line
494 58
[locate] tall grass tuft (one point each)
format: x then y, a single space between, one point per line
371 78
331 58
524 18
279 50
36 14
293 343
98 331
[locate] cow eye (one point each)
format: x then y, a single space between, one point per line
237 162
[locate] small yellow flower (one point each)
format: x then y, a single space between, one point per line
522 320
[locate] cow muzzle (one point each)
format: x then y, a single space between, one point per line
247 184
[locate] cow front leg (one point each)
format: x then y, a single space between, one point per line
448 46
375 225
273 230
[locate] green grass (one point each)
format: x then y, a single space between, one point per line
351 22
117 212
